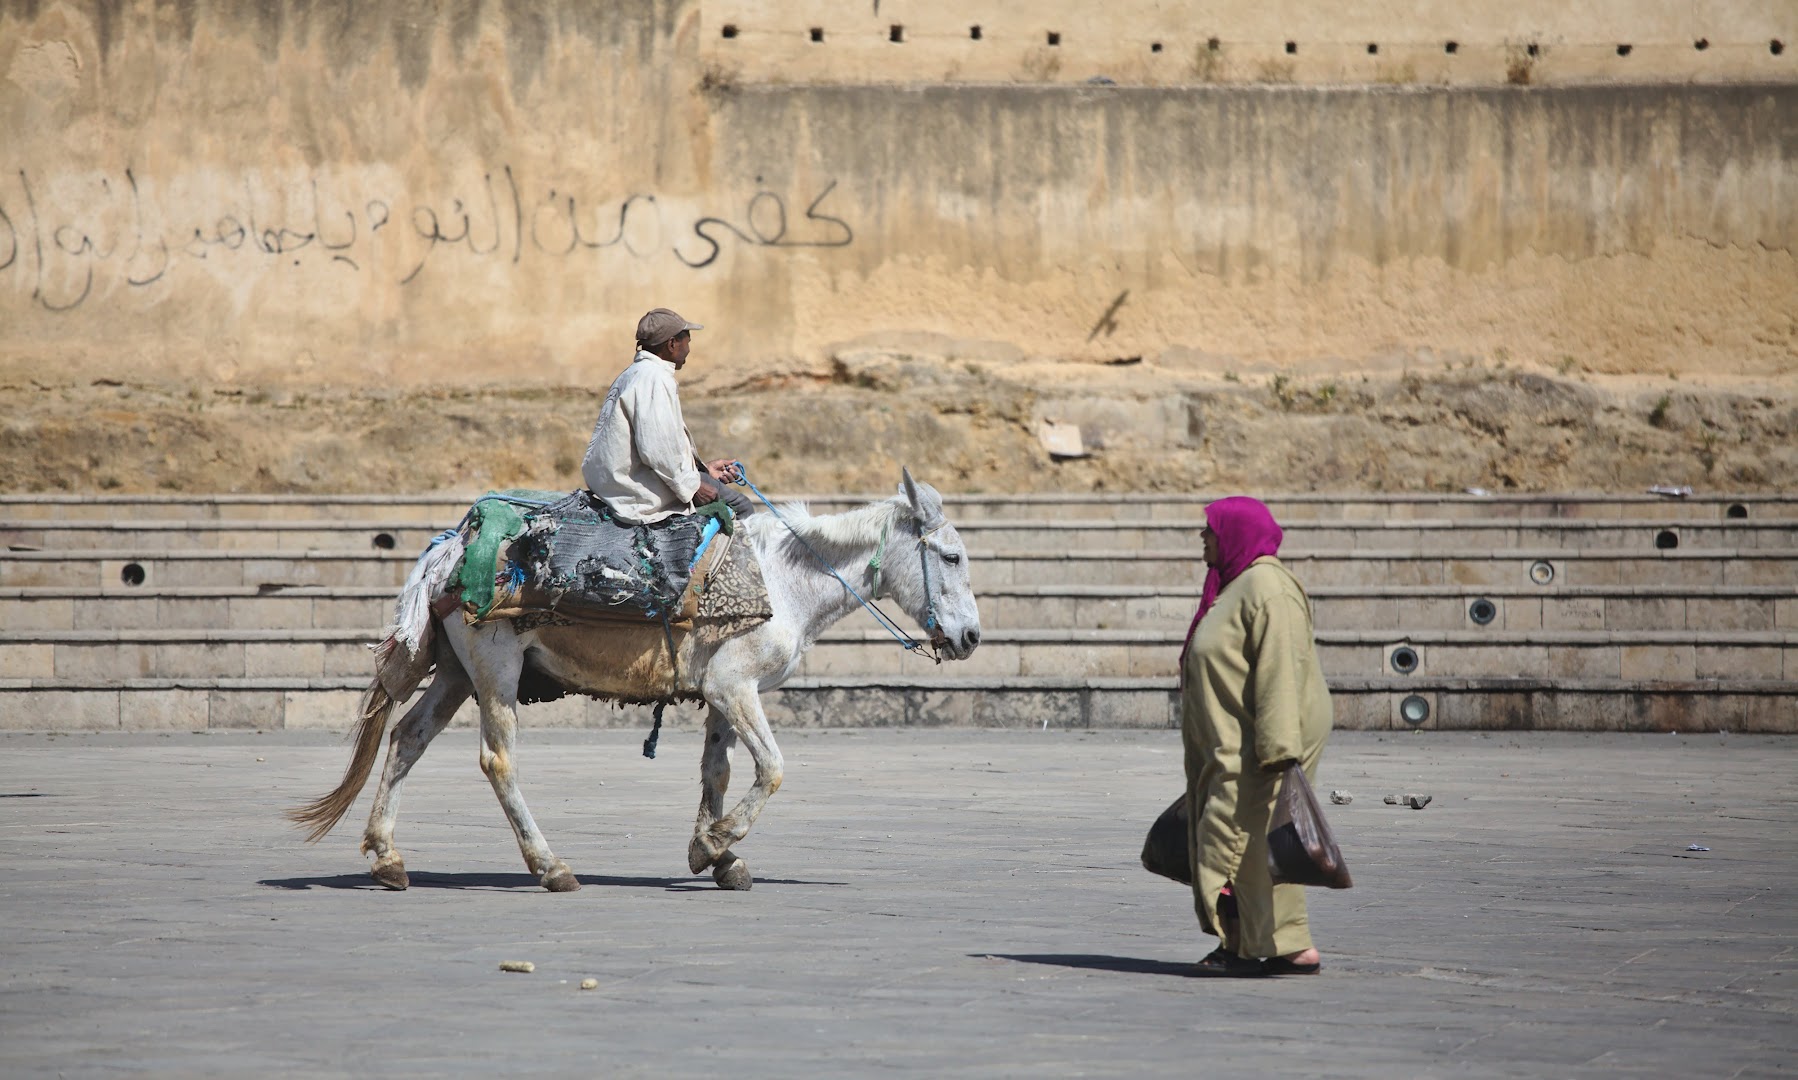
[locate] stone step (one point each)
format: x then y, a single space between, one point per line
849 650
147 535
1097 607
419 509
1469 566
1372 703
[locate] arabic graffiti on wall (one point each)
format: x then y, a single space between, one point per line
101 232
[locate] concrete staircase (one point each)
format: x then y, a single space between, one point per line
1564 612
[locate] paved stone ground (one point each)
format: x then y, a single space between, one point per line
938 903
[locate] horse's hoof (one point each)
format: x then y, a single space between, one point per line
700 854
735 876
392 876
562 880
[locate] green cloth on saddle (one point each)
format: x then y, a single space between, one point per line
494 522
721 510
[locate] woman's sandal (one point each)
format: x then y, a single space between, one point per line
1279 965
1224 964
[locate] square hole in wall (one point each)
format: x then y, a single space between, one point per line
974 32
730 30
817 33
1054 37
896 33
1291 47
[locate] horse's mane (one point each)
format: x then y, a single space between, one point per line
830 535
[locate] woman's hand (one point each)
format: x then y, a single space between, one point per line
1279 766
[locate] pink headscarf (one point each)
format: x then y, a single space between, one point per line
1245 531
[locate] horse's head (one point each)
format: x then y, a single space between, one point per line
934 587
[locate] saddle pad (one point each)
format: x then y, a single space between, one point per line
576 559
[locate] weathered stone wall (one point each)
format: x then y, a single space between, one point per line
1166 42
476 192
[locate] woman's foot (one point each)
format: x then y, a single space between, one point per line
1307 962
1222 963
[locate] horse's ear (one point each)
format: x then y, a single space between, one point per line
926 504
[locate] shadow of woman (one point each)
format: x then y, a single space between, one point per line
1128 965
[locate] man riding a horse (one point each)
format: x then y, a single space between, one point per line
641 462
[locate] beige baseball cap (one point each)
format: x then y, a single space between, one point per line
661 325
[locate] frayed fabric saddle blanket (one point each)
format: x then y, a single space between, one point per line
571 561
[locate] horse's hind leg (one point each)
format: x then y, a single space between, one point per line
714 780
431 714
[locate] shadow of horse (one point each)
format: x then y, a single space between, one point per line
520 882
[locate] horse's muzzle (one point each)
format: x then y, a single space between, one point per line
958 648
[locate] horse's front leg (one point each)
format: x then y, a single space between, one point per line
711 846
714 780
449 689
495 670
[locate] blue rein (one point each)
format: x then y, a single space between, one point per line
906 641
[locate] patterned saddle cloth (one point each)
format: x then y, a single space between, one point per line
568 560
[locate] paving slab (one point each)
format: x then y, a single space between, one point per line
962 903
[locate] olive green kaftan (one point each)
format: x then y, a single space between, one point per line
1252 694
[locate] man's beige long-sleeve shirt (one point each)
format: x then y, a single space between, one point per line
640 460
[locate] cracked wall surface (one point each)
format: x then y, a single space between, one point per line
479 193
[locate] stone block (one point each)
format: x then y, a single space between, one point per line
1359 711
198 659
1585 662
1712 613
1086 659
1485 711
193 613
1588 571
1514 613
1737 662
29 660
116 612
1002 708
59 710
1352 660
1358 613
110 573
992 658
301 659
245 709
1154 661
352 658
1478 572
939 708
267 612
1478 661
1424 571
1785 613
176 573
368 615
1573 613
163 710
1773 714
1130 709
1758 572
1137 613
324 710
1099 613
48 614
1657 662
130 660
1645 613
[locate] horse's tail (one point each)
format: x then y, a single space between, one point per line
402 660
322 814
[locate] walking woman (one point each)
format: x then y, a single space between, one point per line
1253 700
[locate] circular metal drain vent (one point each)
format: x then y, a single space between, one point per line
1482 611
1404 659
1542 572
1414 710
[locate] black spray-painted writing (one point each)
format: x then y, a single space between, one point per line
119 230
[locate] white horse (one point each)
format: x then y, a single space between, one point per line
925 572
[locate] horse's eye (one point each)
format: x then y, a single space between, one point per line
951 557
